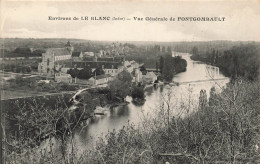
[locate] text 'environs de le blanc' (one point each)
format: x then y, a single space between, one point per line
159 19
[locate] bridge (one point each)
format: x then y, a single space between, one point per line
199 81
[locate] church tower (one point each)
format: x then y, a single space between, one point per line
69 47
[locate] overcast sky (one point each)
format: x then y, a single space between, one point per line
30 20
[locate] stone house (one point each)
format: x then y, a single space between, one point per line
99 80
137 76
51 56
88 54
150 77
77 56
62 77
110 68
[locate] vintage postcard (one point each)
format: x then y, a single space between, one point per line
130 82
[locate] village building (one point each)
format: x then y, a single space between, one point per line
97 54
64 70
88 58
107 53
111 68
137 76
63 77
127 63
150 77
134 64
130 66
77 56
51 56
99 80
110 65
102 52
88 54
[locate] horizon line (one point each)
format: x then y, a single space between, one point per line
132 40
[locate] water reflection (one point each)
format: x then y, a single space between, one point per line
120 111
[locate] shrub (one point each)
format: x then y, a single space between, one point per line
138 92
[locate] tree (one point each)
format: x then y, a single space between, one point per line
161 64
168 68
125 76
195 51
142 68
120 87
73 72
138 92
172 65
203 99
26 69
163 49
18 69
213 97
85 73
99 71
169 50
24 51
238 61
38 52
157 67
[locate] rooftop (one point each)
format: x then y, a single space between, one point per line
76 54
93 64
102 76
58 51
68 44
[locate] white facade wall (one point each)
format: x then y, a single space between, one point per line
111 72
63 78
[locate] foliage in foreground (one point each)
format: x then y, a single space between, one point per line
223 130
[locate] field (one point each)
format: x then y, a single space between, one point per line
9 94
14 94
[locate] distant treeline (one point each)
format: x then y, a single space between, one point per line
11 45
20 66
205 46
22 52
242 60
147 55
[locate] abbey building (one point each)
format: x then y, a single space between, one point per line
48 65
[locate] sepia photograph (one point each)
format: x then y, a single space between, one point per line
130 82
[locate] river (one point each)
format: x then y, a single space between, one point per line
193 80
